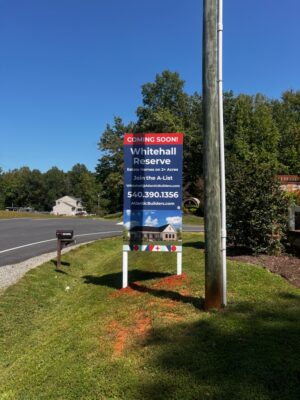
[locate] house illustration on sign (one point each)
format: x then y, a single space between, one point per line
164 233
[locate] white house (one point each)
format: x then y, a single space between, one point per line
68 205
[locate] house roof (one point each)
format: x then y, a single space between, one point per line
70 197
149 228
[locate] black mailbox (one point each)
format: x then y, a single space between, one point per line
64 238
64 234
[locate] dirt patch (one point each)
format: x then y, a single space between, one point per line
142 325
120 334
172 281
172 316
286 266
124 335
134 289
129 291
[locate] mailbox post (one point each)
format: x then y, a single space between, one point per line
64 238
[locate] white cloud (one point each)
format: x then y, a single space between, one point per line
151 222
174 220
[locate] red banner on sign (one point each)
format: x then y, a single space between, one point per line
149 139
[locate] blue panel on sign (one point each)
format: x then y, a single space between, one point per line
153 192
153 177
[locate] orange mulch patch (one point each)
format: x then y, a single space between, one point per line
128 291
142 325
138 331
172 281
120 336
134 289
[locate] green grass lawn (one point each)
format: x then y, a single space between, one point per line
118 216
16 214
192 219
73 334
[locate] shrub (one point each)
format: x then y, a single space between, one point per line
256 207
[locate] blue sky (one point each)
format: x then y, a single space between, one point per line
69 66
152 218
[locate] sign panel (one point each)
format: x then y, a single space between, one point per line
153 192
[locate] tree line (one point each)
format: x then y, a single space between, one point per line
262 140
24 187
257 130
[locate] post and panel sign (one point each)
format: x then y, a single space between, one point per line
153 192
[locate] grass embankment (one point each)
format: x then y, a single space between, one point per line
72 334
189 219
38 215
116 216
17 214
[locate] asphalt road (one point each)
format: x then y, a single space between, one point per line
21 239
192 228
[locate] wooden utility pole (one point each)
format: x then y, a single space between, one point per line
212 207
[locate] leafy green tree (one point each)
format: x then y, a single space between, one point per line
109 171
167 108
24 188
15 187
55 181
193 149
286 114
250 130
36 191
256 208
165 105
83 185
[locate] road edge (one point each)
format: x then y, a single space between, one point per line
12 273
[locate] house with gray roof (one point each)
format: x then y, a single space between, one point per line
162 233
